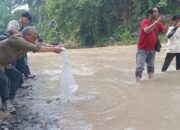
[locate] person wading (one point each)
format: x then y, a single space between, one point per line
149 29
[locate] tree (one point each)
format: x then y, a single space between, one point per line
91 21
4 17
13 4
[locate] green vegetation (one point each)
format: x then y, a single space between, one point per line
87 23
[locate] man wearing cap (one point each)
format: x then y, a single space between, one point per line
173 45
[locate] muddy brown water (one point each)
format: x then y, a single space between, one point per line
108 97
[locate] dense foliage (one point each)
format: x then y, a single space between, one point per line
88 22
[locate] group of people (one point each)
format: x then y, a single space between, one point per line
14 28
150 28
21 39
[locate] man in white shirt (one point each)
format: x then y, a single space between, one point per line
15 27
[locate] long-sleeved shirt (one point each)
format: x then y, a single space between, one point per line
173 45
13 47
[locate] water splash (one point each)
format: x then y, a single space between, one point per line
68 84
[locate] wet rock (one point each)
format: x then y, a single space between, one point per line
44 125
19 121
31 98
4 115
48 101
4 128
57 99
4 125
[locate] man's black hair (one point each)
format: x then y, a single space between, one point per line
39 39
177 16
150 10
27 14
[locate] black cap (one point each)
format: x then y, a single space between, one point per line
27 14
177 16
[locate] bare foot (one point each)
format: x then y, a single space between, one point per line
138 79
150 75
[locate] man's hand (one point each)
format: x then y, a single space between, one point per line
160 18
169 20
58 49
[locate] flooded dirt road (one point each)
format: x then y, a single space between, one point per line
108 97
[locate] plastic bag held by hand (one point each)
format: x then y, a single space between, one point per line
62 48
68 84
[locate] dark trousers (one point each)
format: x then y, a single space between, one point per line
22 67
169 57
9 83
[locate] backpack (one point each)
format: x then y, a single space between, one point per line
3 36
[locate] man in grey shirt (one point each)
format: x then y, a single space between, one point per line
10 50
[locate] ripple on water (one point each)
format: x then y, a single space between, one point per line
76 99
83 71
51 72
75 125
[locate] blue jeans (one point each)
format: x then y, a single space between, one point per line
9 83
143 57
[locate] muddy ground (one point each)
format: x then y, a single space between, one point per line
108 97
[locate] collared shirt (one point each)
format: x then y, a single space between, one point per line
13 47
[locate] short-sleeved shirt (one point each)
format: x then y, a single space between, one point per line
13 24
148 40
13 47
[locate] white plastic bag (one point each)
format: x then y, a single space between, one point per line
68 84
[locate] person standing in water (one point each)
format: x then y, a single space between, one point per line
149 29
173 45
